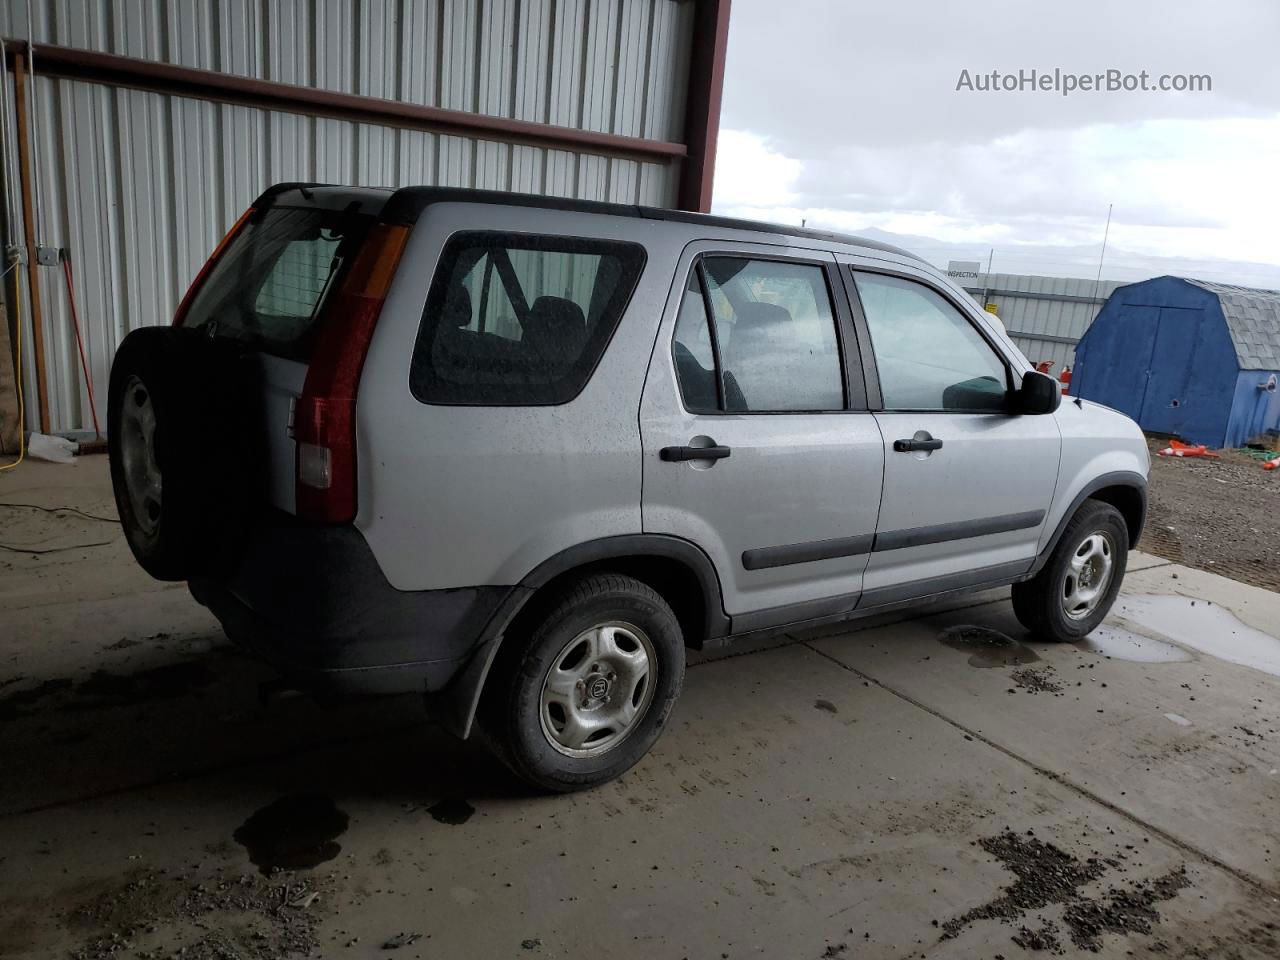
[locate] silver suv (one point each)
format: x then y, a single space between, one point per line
517 454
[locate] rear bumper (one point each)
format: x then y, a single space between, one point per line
313 602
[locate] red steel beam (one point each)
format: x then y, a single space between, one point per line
702 110
20 80
109 68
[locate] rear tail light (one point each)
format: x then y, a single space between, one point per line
192 290
325 416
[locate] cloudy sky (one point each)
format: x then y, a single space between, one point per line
846 114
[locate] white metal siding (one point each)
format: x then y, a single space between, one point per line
1037 323
140 186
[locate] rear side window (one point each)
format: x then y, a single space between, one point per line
270 285
771 345
520 319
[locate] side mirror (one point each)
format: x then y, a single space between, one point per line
1038 394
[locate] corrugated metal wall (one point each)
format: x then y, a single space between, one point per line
1048 322
140 186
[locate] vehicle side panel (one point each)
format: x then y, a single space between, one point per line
461 496
1096 440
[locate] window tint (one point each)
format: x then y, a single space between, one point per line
929 355
268 287
694 355
515 319
775 333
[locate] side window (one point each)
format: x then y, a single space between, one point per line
694 355
519 319
928 354
771 341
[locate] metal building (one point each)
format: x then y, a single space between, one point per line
1046 316
147 126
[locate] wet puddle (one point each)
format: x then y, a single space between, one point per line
293 833
22 702
165 682
987 647
1121 644
104 688
451 810
1202 626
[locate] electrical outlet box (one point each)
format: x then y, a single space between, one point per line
47 256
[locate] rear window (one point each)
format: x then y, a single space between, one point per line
520 319
269 286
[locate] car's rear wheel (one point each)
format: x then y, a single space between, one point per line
1075 589
584 693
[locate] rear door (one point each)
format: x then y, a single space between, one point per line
268 290
967 485
1173 363
756 364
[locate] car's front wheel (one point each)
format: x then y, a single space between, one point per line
582 696
1075 589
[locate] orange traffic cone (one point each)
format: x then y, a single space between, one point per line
1177 448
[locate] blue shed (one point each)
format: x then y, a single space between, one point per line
1190 358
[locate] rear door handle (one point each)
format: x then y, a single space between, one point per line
907 446
679 454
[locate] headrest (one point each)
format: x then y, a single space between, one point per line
556 328
457 307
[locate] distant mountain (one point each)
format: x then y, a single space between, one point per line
1082 261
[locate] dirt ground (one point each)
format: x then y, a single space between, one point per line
939 784
1218 515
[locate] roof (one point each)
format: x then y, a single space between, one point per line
406 204
1253 320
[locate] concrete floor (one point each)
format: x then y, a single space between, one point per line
831 795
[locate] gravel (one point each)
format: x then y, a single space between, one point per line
1035 680
1218 515
1048 875
153 914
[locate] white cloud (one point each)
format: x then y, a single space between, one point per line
748 173
858 125
1196 188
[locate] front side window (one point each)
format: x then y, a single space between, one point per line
928 354
771 344
519 319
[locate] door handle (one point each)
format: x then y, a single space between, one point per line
679 454
907 446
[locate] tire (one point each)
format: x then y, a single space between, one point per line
1057 603
524 715
183 464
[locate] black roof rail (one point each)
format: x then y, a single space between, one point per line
406 205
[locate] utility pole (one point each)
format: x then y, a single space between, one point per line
1097 282
986 281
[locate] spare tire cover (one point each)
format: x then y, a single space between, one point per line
184 460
